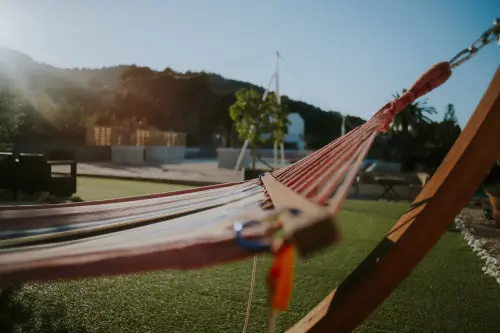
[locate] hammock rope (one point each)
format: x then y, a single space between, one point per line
250 294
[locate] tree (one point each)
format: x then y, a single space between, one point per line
434 139
73 105
409 119
448 129
321 127
169 101
409 129
252 117
279 121
10 115
449 115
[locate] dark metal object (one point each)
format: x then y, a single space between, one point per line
491 35
31 173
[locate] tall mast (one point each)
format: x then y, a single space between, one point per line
342 128
278 97
275 76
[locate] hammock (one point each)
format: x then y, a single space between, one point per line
195 228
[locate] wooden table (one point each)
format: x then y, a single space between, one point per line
389 182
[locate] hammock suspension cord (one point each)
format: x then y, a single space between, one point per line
250 293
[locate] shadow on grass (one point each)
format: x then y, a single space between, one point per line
16 316
12 312
10 198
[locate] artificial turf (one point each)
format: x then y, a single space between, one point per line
447 292
90 188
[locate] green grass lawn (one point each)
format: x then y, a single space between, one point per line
100 188
447 292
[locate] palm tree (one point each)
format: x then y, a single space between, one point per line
449 115
409 119
448 129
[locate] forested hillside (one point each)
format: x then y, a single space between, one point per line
59 102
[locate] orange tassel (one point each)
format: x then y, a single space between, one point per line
280 278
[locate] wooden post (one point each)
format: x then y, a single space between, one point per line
419 229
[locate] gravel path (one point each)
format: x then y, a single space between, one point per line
483 237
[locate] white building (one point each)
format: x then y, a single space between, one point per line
295 131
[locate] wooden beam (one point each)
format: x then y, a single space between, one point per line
420 228
284 197
314 229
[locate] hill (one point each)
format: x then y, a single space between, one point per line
62 100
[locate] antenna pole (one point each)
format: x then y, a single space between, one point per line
342 129
278 98
275 146
252 127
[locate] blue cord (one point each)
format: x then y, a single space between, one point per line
252 246
255 246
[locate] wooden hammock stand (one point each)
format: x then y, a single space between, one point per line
418 230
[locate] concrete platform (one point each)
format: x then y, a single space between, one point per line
200 173
190 172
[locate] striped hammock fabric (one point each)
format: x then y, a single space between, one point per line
191 228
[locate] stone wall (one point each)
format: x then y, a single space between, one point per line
165 155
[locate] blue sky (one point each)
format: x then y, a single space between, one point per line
347 56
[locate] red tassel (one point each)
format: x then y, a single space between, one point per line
280 278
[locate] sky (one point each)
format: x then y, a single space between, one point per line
349 56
